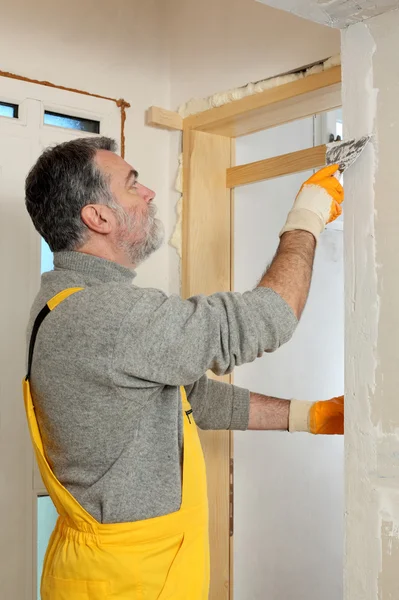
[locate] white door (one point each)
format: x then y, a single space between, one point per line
26 111
288 526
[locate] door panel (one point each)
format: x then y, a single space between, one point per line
21 142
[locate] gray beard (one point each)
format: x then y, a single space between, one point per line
151 241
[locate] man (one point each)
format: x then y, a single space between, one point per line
116 376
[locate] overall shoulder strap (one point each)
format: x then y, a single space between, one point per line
51 304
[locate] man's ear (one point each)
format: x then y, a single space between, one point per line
97 217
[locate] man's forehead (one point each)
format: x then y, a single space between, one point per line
112 164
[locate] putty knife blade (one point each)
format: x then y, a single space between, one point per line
345 153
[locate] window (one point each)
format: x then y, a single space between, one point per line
46 520
46 258
8 110
70 122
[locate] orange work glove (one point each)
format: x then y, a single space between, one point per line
325 417
317 203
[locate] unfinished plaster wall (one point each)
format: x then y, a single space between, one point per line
334 13
371 100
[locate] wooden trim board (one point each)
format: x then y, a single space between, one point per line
231 433
296 100
206 214
281 104
285 164
164 119
205 270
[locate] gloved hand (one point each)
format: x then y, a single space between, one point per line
325 417
317 203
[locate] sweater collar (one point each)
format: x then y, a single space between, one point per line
104 270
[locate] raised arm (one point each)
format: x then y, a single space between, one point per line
175 342
290 273
317 203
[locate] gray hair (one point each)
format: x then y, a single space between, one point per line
64 179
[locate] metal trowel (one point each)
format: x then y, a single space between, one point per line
345 153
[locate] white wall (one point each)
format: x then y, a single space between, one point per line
217 45
288 542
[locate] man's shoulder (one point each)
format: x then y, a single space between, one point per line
114 297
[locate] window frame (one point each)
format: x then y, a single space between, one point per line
11 105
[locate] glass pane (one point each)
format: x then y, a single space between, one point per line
8 110
70 122
46 519
46 261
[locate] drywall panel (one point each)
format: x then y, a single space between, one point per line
288 542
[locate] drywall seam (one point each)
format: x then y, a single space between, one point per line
197 105
361 323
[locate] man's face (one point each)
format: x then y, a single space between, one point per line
137 231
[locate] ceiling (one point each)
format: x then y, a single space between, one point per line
334 13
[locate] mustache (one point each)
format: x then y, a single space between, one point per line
152 209
152 212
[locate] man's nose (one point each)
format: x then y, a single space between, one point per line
148 194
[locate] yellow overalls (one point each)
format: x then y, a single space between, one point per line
163 558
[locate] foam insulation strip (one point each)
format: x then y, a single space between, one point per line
197 105
177 236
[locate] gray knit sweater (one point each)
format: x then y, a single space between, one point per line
107 367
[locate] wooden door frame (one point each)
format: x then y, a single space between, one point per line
209 178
